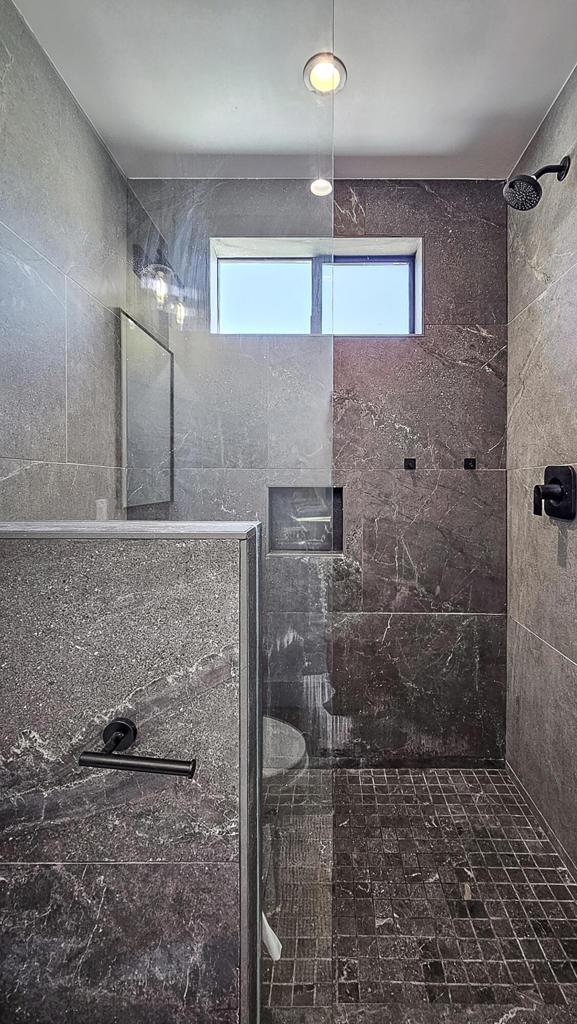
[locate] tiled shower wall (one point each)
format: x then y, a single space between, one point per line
419 655
395 653
68 222
542 430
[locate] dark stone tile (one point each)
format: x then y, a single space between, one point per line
349 209
144 629
427 541
437 397
90 940
33 335
93 380
421 686
463 225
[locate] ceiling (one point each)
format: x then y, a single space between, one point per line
436 88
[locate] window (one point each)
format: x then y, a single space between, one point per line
290 286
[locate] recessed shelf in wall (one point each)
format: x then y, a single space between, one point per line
306 519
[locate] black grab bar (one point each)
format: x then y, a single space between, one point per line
120 735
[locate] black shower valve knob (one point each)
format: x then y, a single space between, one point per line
557 494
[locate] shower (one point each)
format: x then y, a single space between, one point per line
524 191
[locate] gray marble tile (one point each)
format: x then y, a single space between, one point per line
421 688
219 494
90 941
93 380
61 190
542 243
542 416
296 644
541 728
427 541
463 224
221 402
437 398
300 389
40 490
542 577
145 629
33 337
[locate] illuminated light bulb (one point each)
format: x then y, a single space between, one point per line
160 288
180 313
321 187
324 73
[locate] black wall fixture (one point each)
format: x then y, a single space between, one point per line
557 494
120 735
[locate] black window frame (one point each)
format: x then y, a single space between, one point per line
317 263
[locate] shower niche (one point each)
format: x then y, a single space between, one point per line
305 519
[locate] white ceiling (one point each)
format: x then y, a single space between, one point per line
436 88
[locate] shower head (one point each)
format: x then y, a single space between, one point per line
524 191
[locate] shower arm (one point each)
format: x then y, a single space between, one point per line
559 169
121 734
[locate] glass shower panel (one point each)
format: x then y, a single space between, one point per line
231 241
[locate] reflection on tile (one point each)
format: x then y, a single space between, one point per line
93 380
219 494
38 490
101 947
32 333
438 398
300 386
61 190
421 688
143 242
220 386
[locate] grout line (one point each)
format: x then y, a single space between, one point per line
542 122
543 641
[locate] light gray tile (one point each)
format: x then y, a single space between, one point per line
220 393
219 494
39 490
61 190
93 380
543 242
300 387
541 729
542 413
32 333
542 566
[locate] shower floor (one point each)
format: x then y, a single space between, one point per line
428 888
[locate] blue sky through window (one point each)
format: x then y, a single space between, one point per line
271 296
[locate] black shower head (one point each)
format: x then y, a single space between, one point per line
524 191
